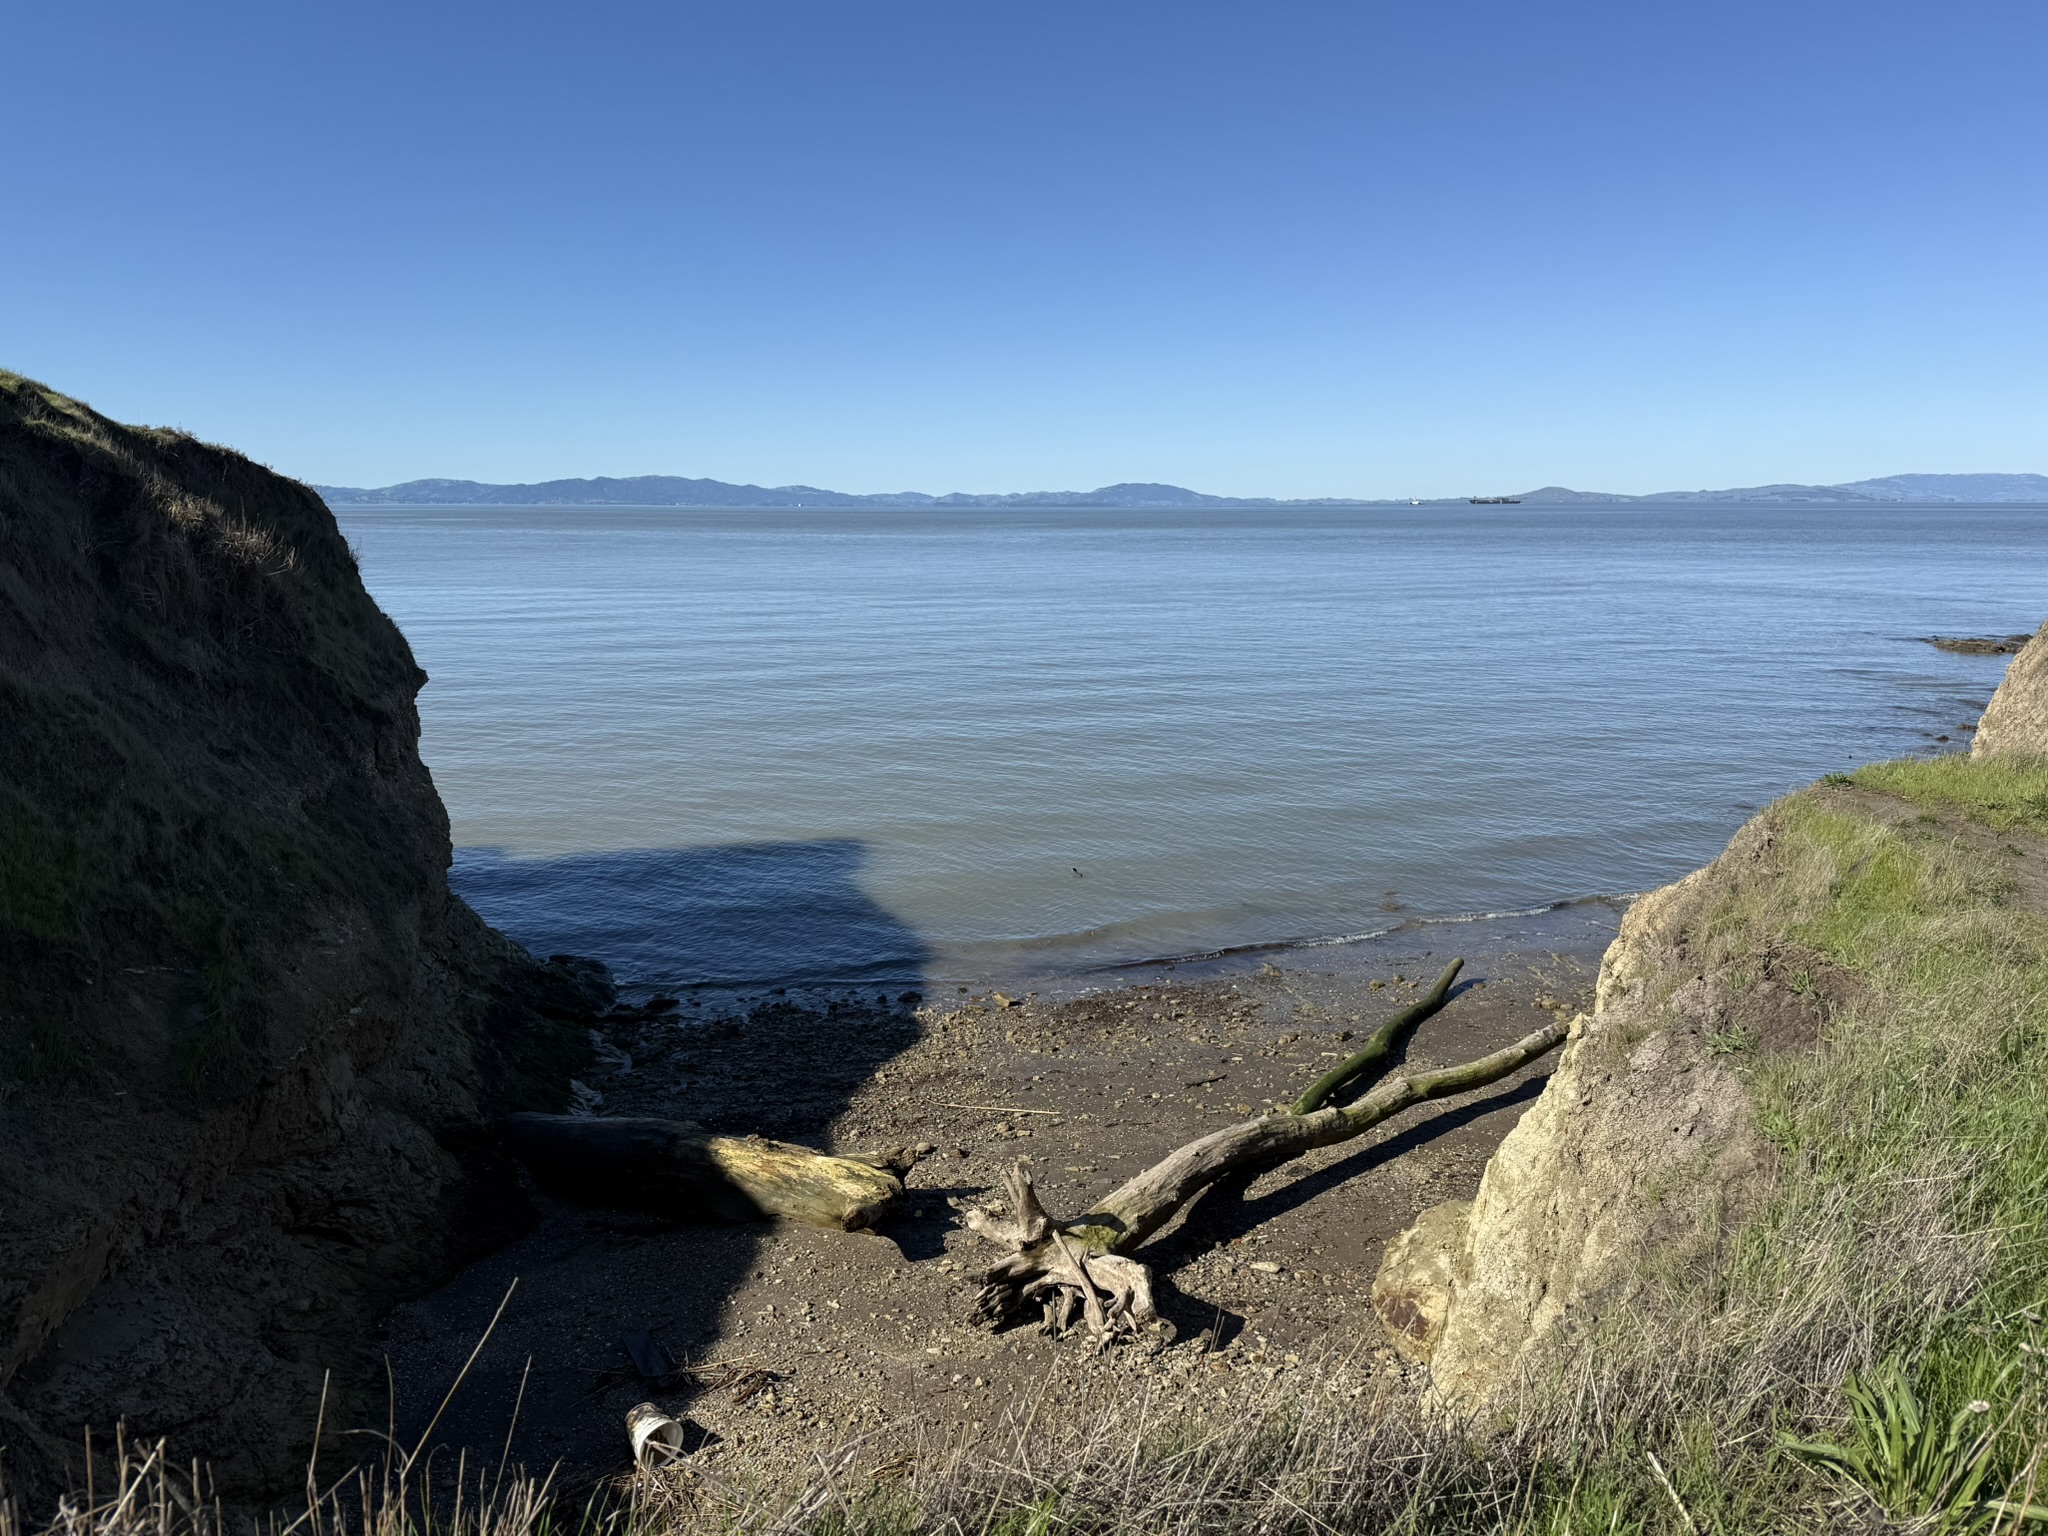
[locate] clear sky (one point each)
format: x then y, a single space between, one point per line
1257 248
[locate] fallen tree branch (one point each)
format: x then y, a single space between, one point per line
1381 1045
1084 1265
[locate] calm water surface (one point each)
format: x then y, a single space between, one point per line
762 746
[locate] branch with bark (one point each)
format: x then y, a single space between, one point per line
1082 1269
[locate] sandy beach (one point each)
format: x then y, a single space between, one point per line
788 1340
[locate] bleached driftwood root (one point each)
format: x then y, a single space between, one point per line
1061 1275
1083 1268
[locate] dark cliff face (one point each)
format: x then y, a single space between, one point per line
248 1041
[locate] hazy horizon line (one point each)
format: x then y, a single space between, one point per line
687 491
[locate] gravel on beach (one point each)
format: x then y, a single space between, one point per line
787 1340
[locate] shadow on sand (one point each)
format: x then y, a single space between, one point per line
1225 1211
722 921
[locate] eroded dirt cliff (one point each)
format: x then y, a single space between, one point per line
1640 1156
248 1040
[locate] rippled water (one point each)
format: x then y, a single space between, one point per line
748 747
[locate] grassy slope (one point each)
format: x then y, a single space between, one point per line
1906 1245
207 752
187 648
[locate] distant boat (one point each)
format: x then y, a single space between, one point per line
1495 501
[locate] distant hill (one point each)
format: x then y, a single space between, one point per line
1917 488
1976 489
677 491
1954 488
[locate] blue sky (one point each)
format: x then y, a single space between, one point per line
1277 248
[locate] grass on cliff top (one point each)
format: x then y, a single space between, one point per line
1999 792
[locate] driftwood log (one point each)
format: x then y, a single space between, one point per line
677 1168
1082 1269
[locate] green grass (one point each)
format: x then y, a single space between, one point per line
1945 1475
2001 792
1905 1242
50 874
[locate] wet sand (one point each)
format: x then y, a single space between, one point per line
788 1339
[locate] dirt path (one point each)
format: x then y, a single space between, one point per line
798 1338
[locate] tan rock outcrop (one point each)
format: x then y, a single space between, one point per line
1642 1153
1412 1291
2016 721
1632 1165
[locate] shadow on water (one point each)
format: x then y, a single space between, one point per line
741 915
831 976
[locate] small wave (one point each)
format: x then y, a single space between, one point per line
1338 940
1621 898
1232 951
1335 939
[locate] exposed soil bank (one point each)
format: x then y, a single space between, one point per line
249 1043
859 1333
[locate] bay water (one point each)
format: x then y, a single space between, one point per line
733 749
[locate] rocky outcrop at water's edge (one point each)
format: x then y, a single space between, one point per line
1564 1223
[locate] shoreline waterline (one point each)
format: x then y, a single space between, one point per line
1579 926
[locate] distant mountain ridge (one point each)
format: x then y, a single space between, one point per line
678 491
1916 488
